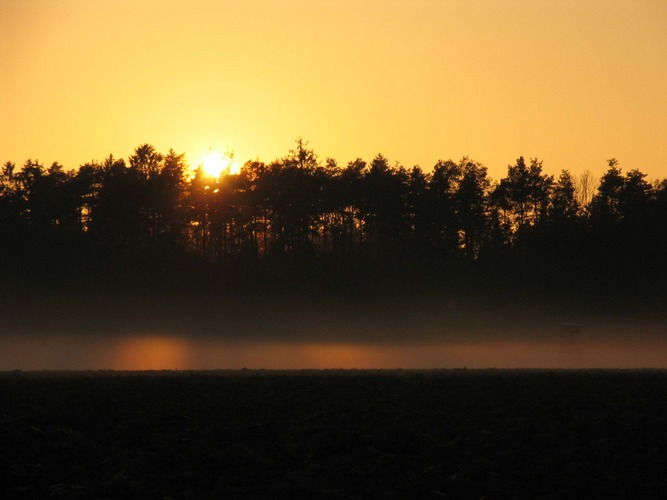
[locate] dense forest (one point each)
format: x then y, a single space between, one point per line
302 226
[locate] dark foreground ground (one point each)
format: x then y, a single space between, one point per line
390 434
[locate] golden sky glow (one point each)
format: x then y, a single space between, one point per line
572 82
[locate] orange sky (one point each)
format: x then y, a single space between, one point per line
572 82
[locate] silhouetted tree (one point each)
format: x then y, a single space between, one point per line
147 161
117 217
523 195
606 204
383 206
443 187
168 188
472 201
623 231
564 204
635 197
418 207
86 185
351 211
10 212
7 176
585 186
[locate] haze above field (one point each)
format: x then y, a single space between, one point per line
572 83
517 334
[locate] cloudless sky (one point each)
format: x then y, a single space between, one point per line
571 82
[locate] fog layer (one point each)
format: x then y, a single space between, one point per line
127 335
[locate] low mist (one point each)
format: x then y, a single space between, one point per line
445 333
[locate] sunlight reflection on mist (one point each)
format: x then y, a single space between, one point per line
155 352
150 353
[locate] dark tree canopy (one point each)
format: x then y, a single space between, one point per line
300 223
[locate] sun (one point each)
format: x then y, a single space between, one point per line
215 164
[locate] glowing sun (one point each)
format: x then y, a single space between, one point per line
215 165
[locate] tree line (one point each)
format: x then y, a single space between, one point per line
299 224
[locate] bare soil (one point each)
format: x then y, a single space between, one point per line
334 434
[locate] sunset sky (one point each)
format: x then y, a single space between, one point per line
572 82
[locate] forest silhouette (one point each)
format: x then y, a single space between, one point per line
302 227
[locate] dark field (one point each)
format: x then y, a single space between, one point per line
351 434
